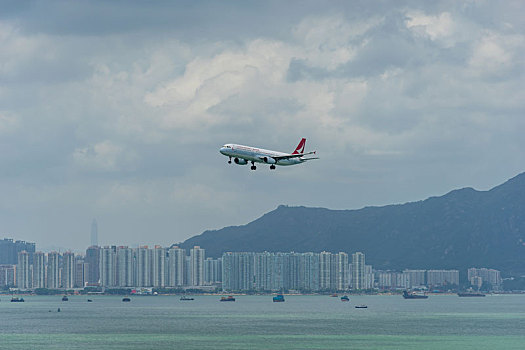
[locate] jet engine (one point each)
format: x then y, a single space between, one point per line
240 161
268 160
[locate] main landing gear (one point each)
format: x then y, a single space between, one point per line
272 167
253 166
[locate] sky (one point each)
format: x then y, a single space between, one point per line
116 110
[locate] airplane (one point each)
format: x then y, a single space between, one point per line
243 154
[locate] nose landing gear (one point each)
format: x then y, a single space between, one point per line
230 161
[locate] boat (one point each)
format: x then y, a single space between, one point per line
334 295
17 300
228 298
185 298
471 294
414 295
90 300
361 307
279 298
65 298
126 299
345 298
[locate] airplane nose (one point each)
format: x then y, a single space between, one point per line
222 150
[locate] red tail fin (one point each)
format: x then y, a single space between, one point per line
300 147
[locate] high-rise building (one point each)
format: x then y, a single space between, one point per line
325 270
415 278
237 271
212 271
197 256
9 250
53 270
108 266
23 271
477 276
39 270
81 272
68 270
143 267
358 271
176 260
124 274
159 267
442 277
94 233
309 267
93 260
7 275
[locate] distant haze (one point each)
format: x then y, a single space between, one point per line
116 110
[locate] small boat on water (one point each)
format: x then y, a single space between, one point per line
90 300
345 298
126 299
185 298
65 298
361 307
279 298
414 295
17 300
334 295
228 298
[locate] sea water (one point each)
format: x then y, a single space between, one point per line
255 322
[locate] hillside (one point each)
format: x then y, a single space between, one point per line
461 229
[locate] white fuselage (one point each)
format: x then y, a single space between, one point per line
258 155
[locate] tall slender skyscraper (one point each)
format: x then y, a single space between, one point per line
358 271
23 271
68 270
94 233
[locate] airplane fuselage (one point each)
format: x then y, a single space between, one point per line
257 155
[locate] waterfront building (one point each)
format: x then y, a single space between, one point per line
7 275
39 270
81 272
23 271
340 271
325 269
124 267
414 278
176 262
197 256
68 270
93 260
237 271
159 267
442 277
53 270
143 267
358 271
477 276
212 271
107 266
309 271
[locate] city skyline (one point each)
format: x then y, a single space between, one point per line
120 119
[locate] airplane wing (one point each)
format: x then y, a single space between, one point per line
297 155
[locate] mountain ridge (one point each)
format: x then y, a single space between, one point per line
460 229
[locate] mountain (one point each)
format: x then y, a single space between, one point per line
464 228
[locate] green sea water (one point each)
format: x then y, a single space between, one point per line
255 322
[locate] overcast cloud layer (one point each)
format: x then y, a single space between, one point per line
116 110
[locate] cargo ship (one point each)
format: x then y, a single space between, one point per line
471 294
414 295
279 298
185 298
